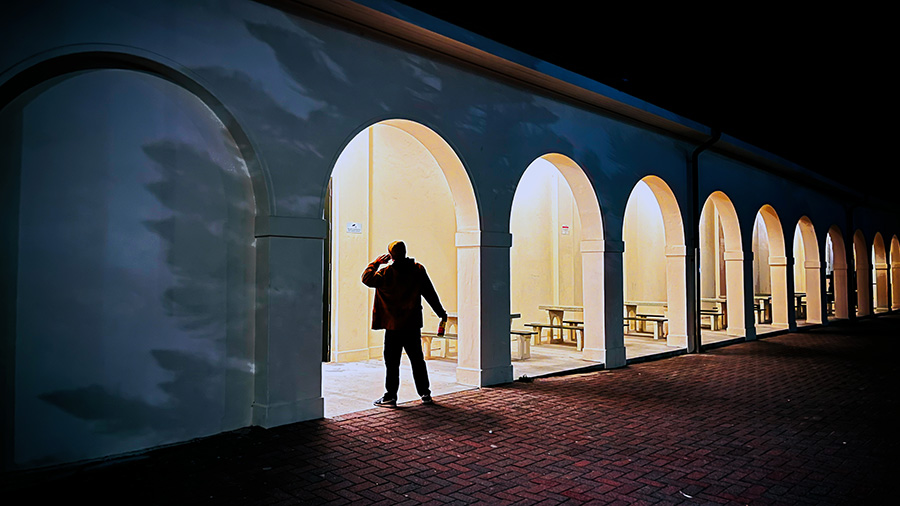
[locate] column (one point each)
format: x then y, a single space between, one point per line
841 295
895 284
739 292
288 375
863 292
482 260
881 287
815 288
677 295
604 338
781 299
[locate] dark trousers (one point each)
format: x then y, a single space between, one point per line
395 341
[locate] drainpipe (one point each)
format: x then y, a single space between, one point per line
852 286
694 341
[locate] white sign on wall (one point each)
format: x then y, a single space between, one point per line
565 230
354 227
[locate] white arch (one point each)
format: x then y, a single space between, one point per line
778 265
881 268
734 261
466 236
466 205
592 249
812 268
675 259
839 276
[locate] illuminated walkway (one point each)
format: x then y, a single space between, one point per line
352 386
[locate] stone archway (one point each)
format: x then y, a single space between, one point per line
671 258
722 261
881 272
383 179
591 247
840 285
808 267
775 276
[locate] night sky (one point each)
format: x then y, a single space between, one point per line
810 86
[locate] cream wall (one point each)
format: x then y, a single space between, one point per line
351 304
712 250
799 262
545 263
390 185
761 273
645 247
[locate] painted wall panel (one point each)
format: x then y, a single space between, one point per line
135 276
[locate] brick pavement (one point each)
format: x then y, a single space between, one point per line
795 419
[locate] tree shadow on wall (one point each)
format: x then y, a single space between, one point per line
338 84
207 240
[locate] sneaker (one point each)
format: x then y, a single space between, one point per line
426 399
387 403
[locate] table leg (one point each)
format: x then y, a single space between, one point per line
426 346
555 316
631 312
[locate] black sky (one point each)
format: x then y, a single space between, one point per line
813 86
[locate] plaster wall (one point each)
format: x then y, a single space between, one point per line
351 302
712 251
799 257
761 273
136 269
645 249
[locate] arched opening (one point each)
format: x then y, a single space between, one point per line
880 275
398 180
770 272
654 266
894 261
722 310
807 274
861 268
837 288
136 266
555 270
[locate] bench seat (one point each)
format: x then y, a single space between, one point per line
427 337
659 323
716 317
523 340
576 331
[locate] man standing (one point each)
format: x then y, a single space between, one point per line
399 288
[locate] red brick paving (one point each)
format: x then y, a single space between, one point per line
801 418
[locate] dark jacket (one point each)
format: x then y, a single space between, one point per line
399 289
